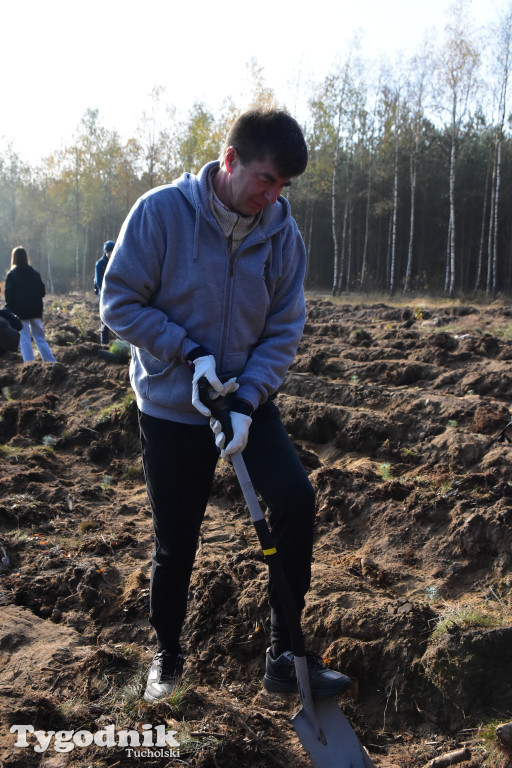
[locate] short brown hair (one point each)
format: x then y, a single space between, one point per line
266 133
18 256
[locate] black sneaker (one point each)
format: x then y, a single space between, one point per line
280 676
164 676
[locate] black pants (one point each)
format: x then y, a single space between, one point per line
104 333
179 463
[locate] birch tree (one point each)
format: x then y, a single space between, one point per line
416 95
368 136
336 110
456 81
156 140
396 100
389 117
503 53
50 216
14 175
482 229
325 139
261 93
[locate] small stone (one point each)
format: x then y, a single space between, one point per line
504 734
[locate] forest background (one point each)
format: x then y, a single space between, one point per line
408 187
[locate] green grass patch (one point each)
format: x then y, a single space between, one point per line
503 332
107 482
457 617
87 525
134 472
10 450
120 348
81 320
386 470
117 409
6 392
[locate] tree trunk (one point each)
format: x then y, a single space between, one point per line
84 257
452 220
49 276
343 246
448 244
366 227
388 251
494 280
77 264
482 235
393 236
413 176
349 247
491 231
509 279
308 234
333 220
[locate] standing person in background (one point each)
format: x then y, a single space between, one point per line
99 272
24 291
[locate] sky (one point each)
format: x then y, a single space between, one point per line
58 59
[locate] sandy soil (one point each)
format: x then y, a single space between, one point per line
395 412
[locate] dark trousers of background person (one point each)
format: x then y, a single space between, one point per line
104 334
179 463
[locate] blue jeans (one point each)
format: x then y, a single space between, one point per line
34 326
179 463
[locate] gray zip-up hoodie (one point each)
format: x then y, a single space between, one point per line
172 285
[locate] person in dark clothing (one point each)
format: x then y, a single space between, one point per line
99 272
206 280
24 292
10 327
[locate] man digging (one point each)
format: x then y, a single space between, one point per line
206 280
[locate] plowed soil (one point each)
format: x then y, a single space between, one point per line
400 416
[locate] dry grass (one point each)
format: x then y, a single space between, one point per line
409 300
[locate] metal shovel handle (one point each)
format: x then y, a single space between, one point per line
220 408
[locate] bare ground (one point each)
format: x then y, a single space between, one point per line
394 411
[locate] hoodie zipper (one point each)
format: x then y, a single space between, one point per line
227 305
227 310
231 255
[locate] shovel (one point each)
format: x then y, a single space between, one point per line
321 726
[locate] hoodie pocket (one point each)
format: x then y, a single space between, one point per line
149 373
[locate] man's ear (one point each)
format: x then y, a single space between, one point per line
229 158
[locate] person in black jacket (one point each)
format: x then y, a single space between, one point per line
10 327
24 291
99 271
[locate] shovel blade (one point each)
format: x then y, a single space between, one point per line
339 747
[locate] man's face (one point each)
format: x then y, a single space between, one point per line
252 187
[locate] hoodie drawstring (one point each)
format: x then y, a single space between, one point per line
195 254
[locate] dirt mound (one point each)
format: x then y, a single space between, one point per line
395 413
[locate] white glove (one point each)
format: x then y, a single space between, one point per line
205 366
240 424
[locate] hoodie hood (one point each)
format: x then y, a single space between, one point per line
195 190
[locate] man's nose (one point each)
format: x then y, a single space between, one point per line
272 194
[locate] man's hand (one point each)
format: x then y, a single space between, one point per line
240 424
205 366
